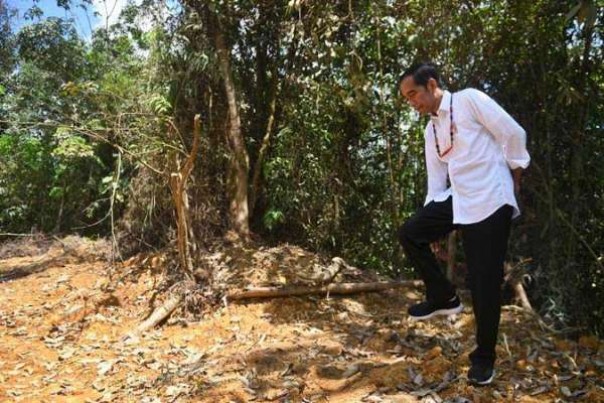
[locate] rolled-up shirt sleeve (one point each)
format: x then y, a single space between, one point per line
506 131
436 169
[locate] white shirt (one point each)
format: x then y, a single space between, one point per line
487 144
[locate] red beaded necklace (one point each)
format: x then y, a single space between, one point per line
451 128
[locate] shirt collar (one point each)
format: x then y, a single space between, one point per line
444 104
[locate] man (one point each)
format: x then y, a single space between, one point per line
475 153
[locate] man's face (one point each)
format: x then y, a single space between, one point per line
419 97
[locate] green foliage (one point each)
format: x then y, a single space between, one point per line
272 218
60 113
52 45
344 160
346 167
6 42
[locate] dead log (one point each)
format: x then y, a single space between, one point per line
179 292
334 288
160 314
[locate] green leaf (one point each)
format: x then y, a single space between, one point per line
73 147
56 192
272 218
107 179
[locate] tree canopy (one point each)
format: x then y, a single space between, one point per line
304 137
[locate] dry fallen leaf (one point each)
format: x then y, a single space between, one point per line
566 391
539 390
104 367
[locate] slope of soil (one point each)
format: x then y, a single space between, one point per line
64 315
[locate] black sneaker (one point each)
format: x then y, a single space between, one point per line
481 374
428 309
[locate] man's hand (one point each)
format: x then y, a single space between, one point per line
517 175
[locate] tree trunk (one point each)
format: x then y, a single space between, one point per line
57 227
239 162
264 147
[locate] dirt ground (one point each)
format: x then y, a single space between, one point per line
65 314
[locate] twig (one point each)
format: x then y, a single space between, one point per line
114 245
568 223
178 188
583 241
507 346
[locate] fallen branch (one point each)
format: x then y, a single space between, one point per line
335 288
163 312
515 282
521 294
160 314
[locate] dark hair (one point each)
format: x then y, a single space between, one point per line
422 73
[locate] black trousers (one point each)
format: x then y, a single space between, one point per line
485 246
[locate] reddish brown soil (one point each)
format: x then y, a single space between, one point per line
62 331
